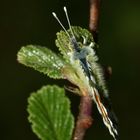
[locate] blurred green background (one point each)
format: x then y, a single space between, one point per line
25 22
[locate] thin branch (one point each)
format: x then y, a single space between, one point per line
85 120
94 18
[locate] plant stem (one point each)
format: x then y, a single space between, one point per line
94 18
85 120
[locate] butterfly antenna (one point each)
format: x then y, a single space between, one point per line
55 16
66 13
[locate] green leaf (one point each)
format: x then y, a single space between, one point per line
42 59
49 113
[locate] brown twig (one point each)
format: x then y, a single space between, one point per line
84 120
94 18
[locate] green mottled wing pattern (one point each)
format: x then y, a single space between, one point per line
63 41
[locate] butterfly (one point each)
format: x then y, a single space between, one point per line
78 48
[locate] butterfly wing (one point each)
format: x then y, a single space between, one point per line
96 81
